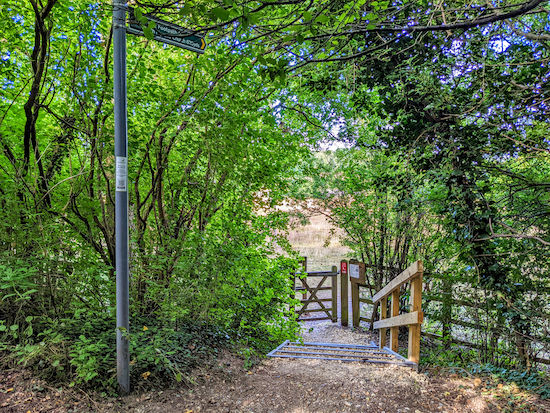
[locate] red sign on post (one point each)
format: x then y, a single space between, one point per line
344 267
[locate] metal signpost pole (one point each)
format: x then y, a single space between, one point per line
168 33
121 197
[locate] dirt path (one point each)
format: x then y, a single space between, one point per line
285 386
304 386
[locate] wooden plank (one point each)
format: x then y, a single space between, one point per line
365 319
543 361
365 300
478 346
334 284
463 303
315 319
323 273
320 288
394 331
480 326
462 343
344 293
414 270
355 304
315 310
316 301
414 330
383 316
401 320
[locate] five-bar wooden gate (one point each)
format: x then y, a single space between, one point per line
312 300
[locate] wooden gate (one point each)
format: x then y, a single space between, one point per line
311 285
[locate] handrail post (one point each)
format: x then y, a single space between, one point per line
413 319
414 330
383 315
394 331
344 293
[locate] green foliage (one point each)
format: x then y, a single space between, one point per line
17 282
207 165
85 354
81 350
536 382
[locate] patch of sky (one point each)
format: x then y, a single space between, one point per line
8 84
499 45
18 19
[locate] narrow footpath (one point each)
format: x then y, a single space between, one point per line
305 386
282 385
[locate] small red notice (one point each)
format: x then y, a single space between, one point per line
344 267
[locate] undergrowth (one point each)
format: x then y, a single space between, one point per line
506 371
81 350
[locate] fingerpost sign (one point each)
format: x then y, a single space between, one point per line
165 32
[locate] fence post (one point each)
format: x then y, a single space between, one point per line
355 304
394 331
383 315
414 329
334 294
446 313
344 297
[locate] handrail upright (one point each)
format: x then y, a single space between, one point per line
413 319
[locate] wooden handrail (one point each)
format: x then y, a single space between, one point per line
413 271
413 319
401 320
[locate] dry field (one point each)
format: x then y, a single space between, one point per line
319 242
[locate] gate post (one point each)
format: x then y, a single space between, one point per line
292 306
344 297
304 265
334 294
357 278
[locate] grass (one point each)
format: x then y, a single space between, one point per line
319 242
